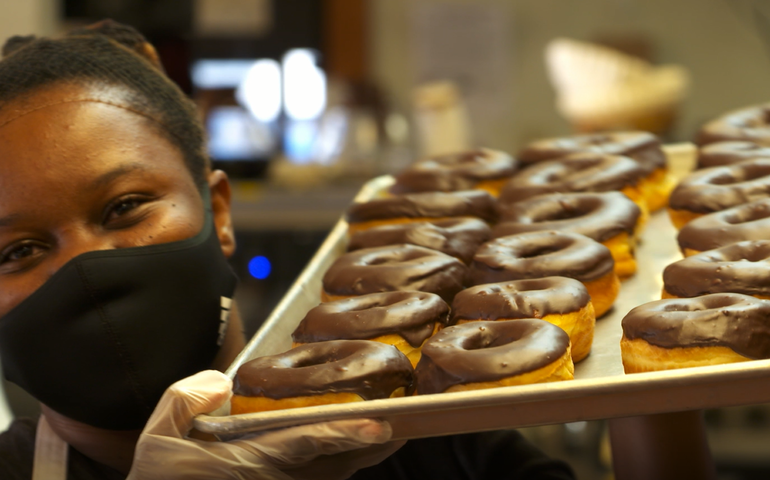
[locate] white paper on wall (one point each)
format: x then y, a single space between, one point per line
233 17
468 44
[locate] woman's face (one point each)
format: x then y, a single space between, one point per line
78 176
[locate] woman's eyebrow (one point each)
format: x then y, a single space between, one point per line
108 177
9 219
100 182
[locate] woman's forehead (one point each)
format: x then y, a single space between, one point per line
63 92
76 130
70 143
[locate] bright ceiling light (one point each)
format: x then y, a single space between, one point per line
260 90
304 85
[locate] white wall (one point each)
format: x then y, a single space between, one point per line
729 63
25 17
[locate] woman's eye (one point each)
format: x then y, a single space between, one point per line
122 208
20 252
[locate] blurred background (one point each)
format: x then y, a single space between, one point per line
304 100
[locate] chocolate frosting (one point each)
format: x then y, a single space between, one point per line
643 147
369 369
487 351
538 255
599 216
471 203
728 153
739 322
395 268
718 188
748 123
459 171
742 267
531 298
750 221
413 315
581 172
456 237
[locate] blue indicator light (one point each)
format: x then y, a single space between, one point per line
259 267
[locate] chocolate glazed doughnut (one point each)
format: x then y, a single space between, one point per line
562 301
459 237
421 207
483 169
690 332
742 267
339 371
482 355
610 218
719 188
748 123
402 319
728 153
393 268
744 222
549 254
581 172
643 147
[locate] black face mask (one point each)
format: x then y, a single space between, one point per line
103 338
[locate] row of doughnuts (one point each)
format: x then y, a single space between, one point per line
435 220
408 319
367 348
587 236
714 307
632 162
440 371
437 240
733 166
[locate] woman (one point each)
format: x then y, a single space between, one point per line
113 285
100 152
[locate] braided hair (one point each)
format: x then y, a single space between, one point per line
113 55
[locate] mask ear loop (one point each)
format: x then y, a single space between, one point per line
51 453
206 196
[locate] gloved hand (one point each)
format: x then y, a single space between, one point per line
332 450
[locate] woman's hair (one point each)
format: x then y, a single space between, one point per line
113 55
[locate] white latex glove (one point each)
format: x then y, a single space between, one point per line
332 450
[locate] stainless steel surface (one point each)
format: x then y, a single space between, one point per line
600 389
258 207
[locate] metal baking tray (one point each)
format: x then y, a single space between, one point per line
600 389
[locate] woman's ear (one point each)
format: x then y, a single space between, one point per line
220 204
